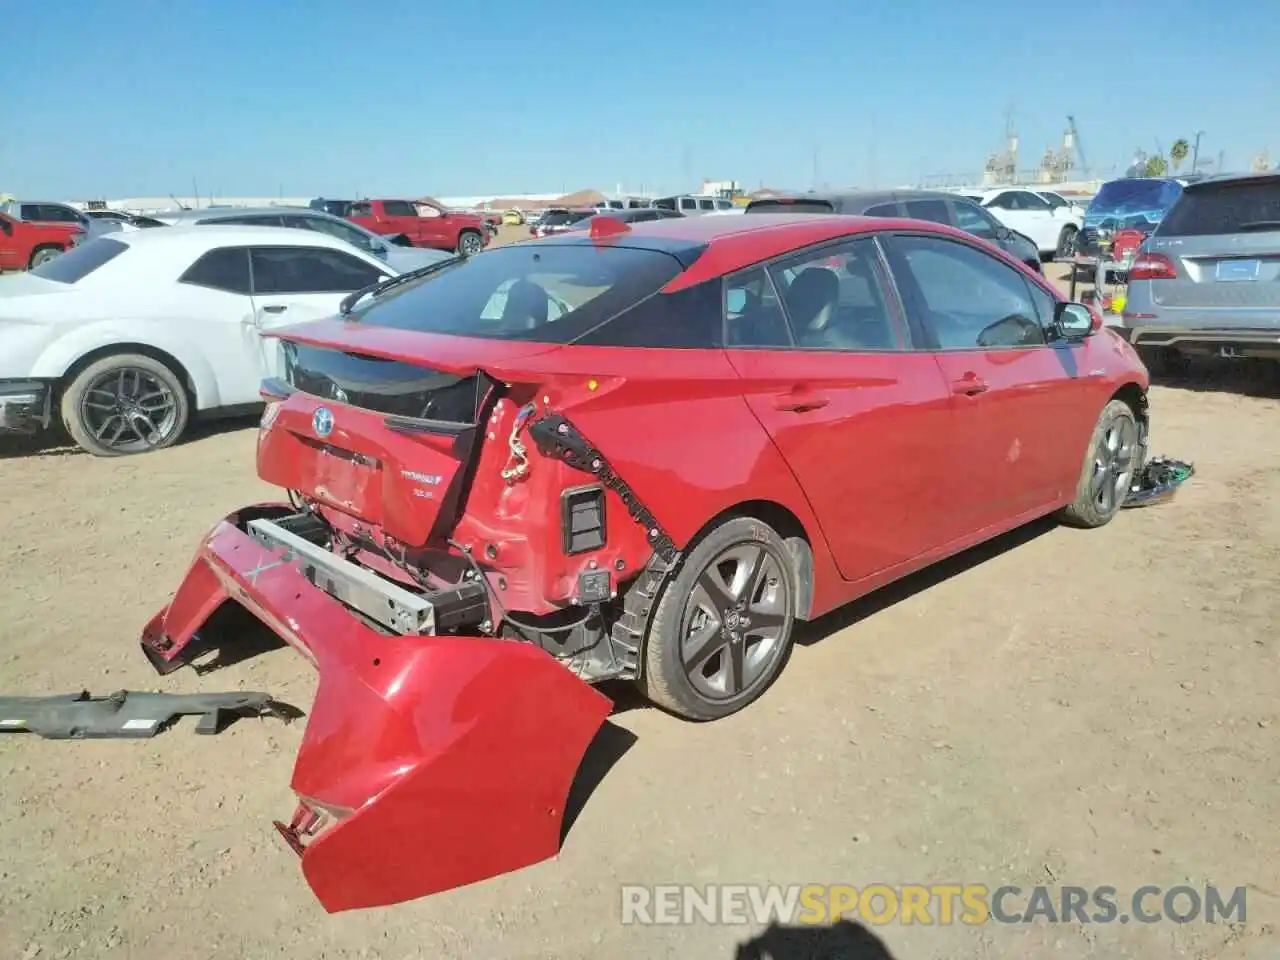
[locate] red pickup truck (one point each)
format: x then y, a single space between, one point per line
29 243
424 224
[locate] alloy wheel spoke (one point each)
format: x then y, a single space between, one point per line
703 644
102 429
716 590
756 571
765 620
735 680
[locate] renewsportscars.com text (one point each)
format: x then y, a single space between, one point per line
941 904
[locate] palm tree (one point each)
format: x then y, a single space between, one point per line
1178 152
1156 167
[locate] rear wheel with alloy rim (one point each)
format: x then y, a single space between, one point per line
125 404
722 627
1112 461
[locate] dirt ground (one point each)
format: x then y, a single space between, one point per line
1062 707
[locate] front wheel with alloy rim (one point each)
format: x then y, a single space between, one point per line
125 404
470 243
722 627
1112 461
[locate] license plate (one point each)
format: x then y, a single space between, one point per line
1233 270
1230 353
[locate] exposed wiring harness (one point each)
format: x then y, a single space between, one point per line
518 464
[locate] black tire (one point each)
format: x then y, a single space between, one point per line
108 404
751 637
1113 458
43 255
470 243
1066 243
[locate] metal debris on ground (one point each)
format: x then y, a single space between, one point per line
1158 482
127 714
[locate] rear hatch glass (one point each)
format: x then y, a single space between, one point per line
394 436
790 206
548 292
1234 206
1224 239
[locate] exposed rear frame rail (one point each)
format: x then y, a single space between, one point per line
555 436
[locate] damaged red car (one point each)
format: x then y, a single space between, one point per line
639 453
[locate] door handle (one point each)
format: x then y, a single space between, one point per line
275 308
970 385
799 402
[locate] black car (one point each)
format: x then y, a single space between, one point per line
948 208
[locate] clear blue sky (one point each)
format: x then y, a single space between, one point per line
113 98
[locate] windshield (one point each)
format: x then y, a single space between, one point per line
1137 202
78 262
542 292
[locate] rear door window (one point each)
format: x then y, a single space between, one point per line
883 210
706 204
971 218
399 208
78 262
932 210
834 298
282 270
1242 206
225 269
687 203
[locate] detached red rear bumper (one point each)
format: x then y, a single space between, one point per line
443 760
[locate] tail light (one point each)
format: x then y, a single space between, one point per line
1152 266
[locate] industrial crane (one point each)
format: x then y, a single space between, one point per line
1075 137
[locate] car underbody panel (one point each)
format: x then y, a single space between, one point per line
429 760
127 714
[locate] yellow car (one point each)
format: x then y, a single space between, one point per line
512 218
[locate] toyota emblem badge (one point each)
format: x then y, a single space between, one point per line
322 422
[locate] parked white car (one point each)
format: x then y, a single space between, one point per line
127 337
1052 228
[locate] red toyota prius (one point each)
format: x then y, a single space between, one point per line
639 452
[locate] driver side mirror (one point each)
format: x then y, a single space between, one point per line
6 226
1074 321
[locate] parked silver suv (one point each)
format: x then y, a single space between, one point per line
1207 281
399 255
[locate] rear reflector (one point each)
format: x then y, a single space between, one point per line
1152 266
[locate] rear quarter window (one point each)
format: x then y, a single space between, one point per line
78 262
1225 208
